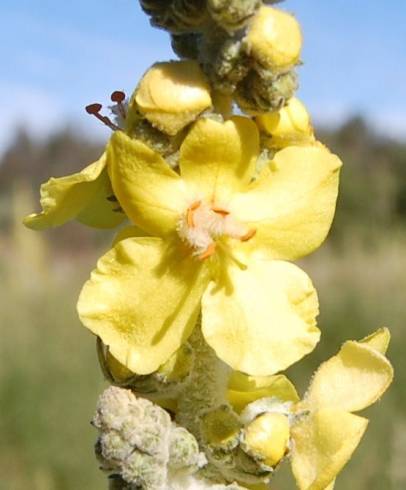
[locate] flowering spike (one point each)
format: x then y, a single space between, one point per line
200 341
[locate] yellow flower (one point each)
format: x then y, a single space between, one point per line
86 196
323 430
274 39
290 125
218 244
172 94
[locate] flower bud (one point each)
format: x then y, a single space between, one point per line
274 39
184 451
265 92
172 95
267 438
289 126
186 45
221 428
227 65
172 372
176 16
232 14
138 443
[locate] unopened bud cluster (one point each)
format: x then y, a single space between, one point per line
247 49
141 448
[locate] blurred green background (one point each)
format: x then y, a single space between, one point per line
49 379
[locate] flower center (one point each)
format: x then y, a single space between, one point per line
203 224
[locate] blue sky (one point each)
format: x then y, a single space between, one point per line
57 56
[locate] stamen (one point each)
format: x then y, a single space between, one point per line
221 211
210 250
94 110
195 205
119 97
248 235
189 215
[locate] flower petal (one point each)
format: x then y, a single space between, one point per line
143 301
262 319
293 204
149 191
378 340
244 389
219 158
323 442
352 380
82 196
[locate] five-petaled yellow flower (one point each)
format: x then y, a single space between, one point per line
217 241
323 430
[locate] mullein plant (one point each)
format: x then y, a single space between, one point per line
219 184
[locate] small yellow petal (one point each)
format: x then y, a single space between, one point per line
262 319
173 94
244 389
292 204
267 437
290 125
150 192
219 158
323 442
274 39
352 380
378 340
82 196
143 301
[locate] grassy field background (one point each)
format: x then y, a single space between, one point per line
49 378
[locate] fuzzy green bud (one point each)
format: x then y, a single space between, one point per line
176 16
228 67
183 450
186 45
221 428
265 91
139 443
232 14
